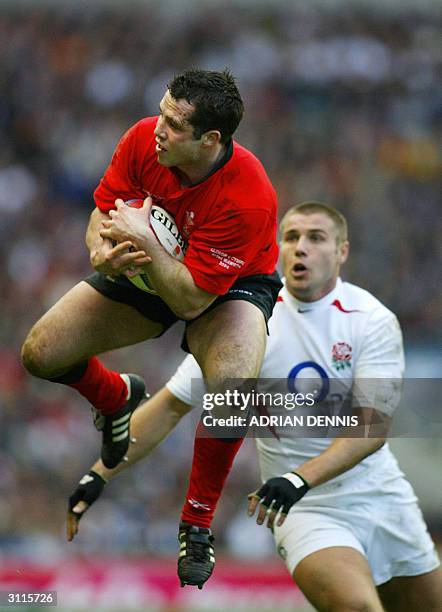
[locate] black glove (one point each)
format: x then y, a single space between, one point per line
279 493
89 490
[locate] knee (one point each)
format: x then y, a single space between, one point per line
33 356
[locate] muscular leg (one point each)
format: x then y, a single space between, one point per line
338 579
229 343
81 324
413 593
62 345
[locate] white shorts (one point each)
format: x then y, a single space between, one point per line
378 515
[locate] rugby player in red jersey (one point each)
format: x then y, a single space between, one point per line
224 205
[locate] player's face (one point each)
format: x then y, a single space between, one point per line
176 145
311 255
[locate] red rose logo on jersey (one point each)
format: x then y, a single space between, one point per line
341 355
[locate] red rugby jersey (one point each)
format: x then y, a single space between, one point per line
229 219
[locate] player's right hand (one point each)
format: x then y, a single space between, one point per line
116 259
88 491
276 497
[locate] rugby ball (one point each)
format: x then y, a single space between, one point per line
169 236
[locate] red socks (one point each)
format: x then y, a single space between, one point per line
103 388
212 460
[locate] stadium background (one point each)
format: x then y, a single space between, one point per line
342 106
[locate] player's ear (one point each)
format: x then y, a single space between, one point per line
344 249
211 138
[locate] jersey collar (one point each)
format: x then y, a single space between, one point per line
219 164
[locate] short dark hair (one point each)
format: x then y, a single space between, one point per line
310 207
215 96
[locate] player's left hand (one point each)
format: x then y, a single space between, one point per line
87 492
128 223
277 495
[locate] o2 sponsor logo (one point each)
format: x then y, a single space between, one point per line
318 382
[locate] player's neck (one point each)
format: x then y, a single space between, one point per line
315 295
198 171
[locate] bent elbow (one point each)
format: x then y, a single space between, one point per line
189 314
192 309
193 304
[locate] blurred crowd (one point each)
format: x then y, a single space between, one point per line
343 107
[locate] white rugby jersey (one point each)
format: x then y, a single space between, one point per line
346 335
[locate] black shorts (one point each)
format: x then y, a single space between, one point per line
259 289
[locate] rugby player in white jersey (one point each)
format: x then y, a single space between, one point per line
351 532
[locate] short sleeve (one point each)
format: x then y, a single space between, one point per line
380 365
187 384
